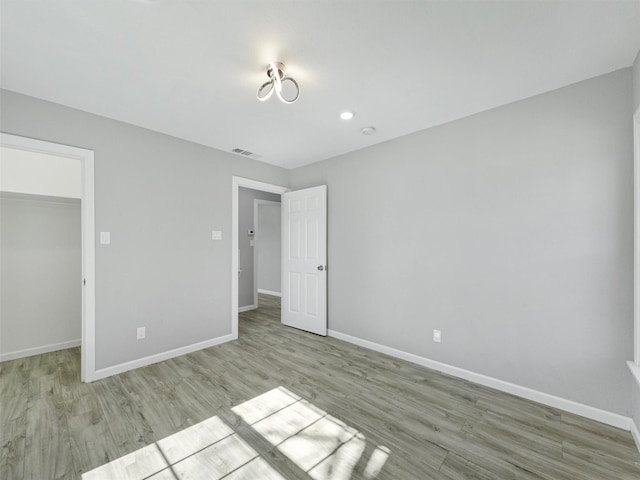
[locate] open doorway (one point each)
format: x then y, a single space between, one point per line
242 237
253 239
267 218
48 251
304 255
40 253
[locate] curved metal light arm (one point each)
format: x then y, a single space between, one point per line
279 94
262 97
277 76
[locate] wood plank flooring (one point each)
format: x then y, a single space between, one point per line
282 404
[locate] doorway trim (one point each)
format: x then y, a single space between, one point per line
636 242
634 365
87 209
236 183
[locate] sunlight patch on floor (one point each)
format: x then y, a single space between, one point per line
321 446
139 464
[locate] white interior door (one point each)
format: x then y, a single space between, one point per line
304 259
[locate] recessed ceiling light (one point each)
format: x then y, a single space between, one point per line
347 115
368 130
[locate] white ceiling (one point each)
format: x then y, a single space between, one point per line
191 68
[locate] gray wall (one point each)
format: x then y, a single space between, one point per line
246 197
160 197
40 270
511 231
268 235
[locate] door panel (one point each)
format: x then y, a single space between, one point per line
304 259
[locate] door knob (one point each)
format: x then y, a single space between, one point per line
320 267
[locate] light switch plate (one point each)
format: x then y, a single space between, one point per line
216 235
437 336
105 238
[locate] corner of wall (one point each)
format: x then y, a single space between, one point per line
635 402
635 432
635 74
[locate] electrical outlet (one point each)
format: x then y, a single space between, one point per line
437 336
141 333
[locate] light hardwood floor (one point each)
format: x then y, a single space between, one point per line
283 404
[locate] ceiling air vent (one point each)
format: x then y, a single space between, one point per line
245 153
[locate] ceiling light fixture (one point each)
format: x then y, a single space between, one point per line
368 130
347 115
277 76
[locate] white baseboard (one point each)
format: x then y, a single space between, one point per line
593 413
159 357
28 352
269 292
246 308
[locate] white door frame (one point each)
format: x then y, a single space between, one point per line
87 208
257 203
236 183
636 241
